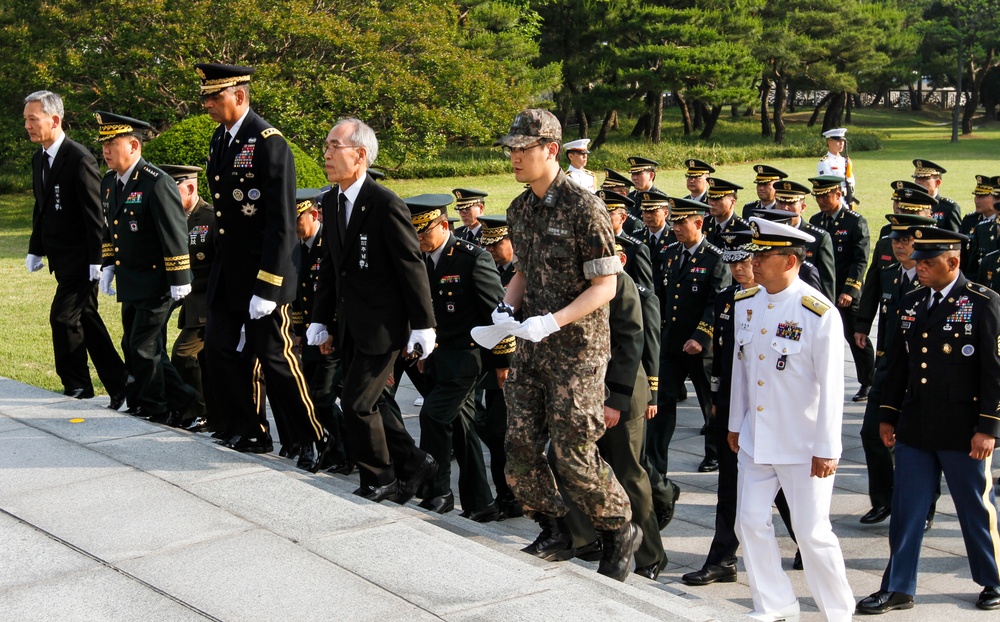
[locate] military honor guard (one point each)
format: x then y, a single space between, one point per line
643 173
947 212
145 252
985 236
657 236
696 179
886 290
939 413
188 352
790 196
764 178
470 204
576 153
721 200
785 417
836 162
67 227
692 276
848 232
638 265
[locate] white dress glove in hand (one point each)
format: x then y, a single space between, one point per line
107 275
537 328
425 338
503 313
33 263
95 272
179 291
259 307
243 338
316 334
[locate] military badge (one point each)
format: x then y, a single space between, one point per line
946 348
249 209
968 349
254 194
789 330
237 195
133 225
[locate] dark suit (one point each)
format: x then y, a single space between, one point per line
464 233
967 226
146 241
820 254
985 240
658 252
948 214
67 228
376 286
941 388
253 190
638 265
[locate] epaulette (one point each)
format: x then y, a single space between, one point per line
815 305
589 172
641 288
671 245
825 158
269 132
631 238
814 227
986 222
712 248
852 213
111 171
981 290
746 293
150 171
469 247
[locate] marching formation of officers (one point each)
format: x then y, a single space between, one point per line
317 301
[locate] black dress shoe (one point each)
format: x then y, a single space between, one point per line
876 515
797 562
117 399
989 598
861 395
928 523
441 504
198 424
168 418
710 573
708 465
510 507
251 444
408 488
486 514
591 552
342 468
882 601
379 494
140 412
308 458
664 516
652 571
80 394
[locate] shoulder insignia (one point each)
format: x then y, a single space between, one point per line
269 132
671 245
825 158
851 213
976 288
746 293
712 248
589 172
111 171
641 288
149 170
815 305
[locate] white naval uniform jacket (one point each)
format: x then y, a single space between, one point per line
787 415
835 165
583 177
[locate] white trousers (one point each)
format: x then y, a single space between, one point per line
809 504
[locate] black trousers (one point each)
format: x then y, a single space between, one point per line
269 339
158 386
661 428
864 358
188 358
376 438
493 431
323 374
78 330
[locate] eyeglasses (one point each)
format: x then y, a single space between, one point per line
334 146
509 151
761 256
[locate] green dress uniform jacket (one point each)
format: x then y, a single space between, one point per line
145 238
659 250
948 214
849 234
686 306
985 240
989 271
201 248
638 265
820 254
712 230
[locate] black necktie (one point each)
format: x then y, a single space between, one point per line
121 189
685 255
935 299
342 217
429 262
46 168
224 147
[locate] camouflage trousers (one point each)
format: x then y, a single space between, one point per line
565 406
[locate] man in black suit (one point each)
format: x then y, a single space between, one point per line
251 175
67 225
375 285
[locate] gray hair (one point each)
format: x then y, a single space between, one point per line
52 103
362 136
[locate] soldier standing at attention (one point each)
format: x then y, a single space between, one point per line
835 164
251 176
643 172
947 212
67 227
576 153
764 183
696 180
657 236
470 205
566 276
638 265
616 182
146 252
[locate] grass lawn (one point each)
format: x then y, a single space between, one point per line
26 350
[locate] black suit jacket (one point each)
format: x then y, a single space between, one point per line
688 299
375 284
201 249
67 222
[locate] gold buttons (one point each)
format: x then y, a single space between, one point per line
304 299
217 179
924 335
923 381
216 194
760 383
222 231
923 350
770 305
116 236
116 249
763 331
116 222
154 266
219 213
675 307
923 365
761 357
118 263
760 409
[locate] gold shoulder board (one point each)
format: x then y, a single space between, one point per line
815 305
269 132
746 293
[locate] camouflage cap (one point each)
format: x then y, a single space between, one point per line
529 126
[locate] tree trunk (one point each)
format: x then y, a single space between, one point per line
780 89
849 106
819 106
657 124
641 128
975 89
790 99
734 111
700 112
583 122
883 94
615 123
685 112
748 112
765 118
602 134
710 120
835 111
916 102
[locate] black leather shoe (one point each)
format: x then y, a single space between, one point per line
379 494
881 602
876 515
554 543
928 523
139 412
589 552
652 571
441 504
664 516
708 465
308 458
199 424
710 573
117 399
510 507
861 395
408 488
80 394
797 562
989 598
487 514
251 444
168 418
342 468
618 547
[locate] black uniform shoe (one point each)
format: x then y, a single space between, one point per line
379 494
554 543
619 547
861 395
797 562
118 399
487 514
708 465
710 573
140 412
652 571
664 516
989 598
510 508
342 468
308 458
928 523
251 444
876 515
169 418
408 488
441 504
589 552
882 601
80 394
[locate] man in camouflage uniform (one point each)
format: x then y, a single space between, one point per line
566 275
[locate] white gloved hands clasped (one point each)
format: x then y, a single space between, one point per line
33 263
316 334
536 328
259 307
178 292
107 276
95 272
503 313
424 338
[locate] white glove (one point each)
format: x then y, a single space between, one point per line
95 272
259 307
316 334
537 328
490 336
503 313
243 338
425 338
179 291
107 275
33 263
